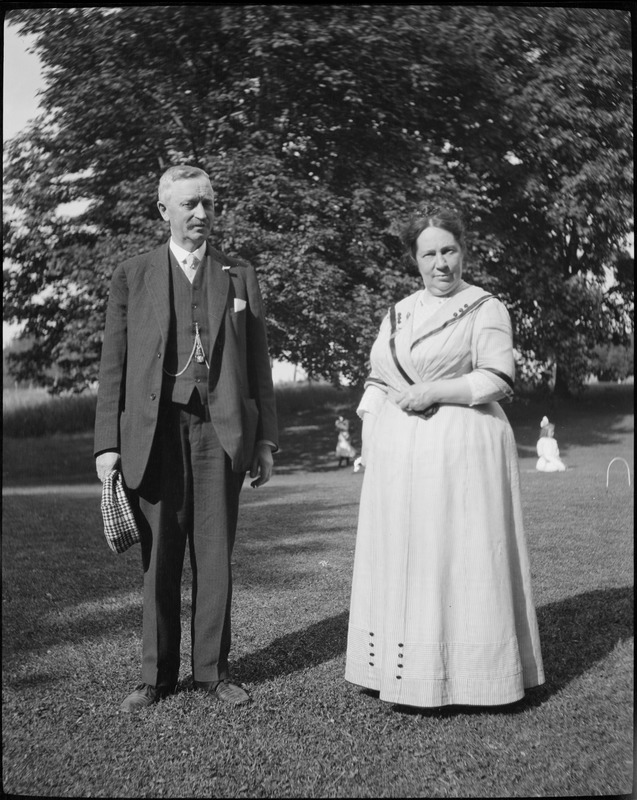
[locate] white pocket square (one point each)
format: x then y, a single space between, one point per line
239 304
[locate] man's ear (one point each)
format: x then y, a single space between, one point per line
162 210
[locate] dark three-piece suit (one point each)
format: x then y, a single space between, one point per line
186 424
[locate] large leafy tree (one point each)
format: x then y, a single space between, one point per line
568 190
322 128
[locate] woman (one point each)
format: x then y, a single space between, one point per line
441 609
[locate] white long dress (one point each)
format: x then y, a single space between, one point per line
441 606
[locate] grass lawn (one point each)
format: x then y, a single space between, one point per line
72 638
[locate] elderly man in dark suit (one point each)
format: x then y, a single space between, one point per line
185 407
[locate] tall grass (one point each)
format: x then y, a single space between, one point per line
292 398
34 412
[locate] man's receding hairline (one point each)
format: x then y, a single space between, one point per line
175 175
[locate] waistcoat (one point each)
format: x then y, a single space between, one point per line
188 304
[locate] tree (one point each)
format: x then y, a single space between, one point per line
322 127
568 188
614 362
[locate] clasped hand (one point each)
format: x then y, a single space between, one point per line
418 397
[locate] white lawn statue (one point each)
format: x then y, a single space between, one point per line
549 453
344 449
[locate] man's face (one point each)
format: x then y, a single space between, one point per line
189 208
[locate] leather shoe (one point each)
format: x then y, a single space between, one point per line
225 691
143 696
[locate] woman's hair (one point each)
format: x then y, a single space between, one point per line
444 218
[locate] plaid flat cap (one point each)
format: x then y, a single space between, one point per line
120 528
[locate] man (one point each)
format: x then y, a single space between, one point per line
185 407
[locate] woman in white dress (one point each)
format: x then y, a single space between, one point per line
441 607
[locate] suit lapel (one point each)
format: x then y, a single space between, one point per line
218 288
157 280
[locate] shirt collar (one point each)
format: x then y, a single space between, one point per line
181 254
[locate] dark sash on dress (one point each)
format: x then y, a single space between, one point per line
432 409
457 315
468 308
392 346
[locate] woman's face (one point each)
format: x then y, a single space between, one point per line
439 259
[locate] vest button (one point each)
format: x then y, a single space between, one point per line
153 396
158 355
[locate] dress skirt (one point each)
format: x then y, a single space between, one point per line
442 610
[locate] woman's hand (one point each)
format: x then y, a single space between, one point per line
369 423
418 397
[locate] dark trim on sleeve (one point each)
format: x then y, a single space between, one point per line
506 378
375 381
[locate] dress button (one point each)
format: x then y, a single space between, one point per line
400 666
371 663
398 677
400 655
370 633
197 380
372 655
401 645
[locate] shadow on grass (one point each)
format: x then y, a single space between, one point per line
308 443
576 633
597 417
308 437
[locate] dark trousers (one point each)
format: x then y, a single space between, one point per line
189 493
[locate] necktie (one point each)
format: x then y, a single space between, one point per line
192 262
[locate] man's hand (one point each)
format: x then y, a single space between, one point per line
262 464
105 463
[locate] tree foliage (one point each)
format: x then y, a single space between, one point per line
323 128
613 362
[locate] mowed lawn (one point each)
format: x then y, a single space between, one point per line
72 638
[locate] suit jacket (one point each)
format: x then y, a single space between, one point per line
240 391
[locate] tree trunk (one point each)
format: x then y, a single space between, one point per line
561 388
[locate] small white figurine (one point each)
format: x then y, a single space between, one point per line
344 449
549 453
